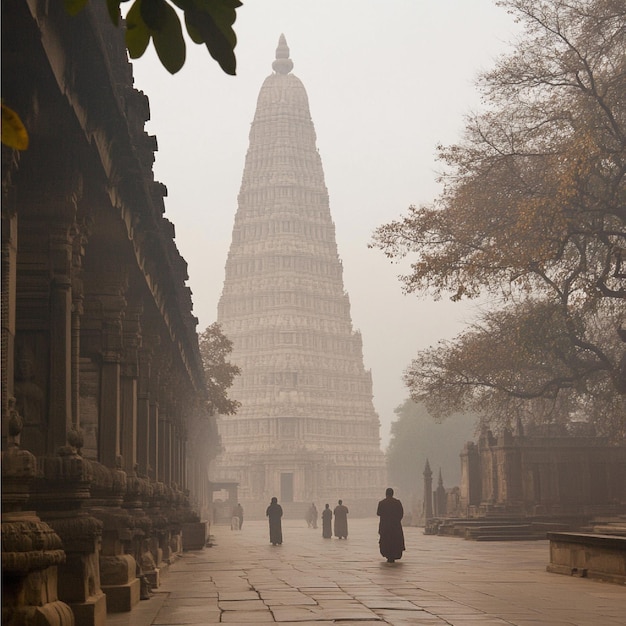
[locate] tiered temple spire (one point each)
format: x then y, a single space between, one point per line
307 429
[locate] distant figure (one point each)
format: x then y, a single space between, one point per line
391 540
274 513
311 516
327 525
341 520
238 513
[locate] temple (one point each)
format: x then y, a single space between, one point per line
307 430
107 433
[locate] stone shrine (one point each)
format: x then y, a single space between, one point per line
307 430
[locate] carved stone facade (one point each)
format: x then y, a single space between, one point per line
548 472
101 369
307 429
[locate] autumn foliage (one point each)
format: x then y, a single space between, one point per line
532 216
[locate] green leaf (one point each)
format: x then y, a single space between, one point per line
113 7
184 5
210 22
137 33
74 7
155 14
169 42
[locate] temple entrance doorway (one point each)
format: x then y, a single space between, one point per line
286 487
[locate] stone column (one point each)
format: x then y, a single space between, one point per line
110 390
440 498
154 391
471 483
128 388
428 492
78 253
60 388
9 267
165 447
143 411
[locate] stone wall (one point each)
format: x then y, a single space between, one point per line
99 344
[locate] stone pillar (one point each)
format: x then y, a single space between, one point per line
153 436
128 388
143 411
31 550
154 391
78 252
9 266
60 320
471 494
165 448
128 422
428 492
110 391
440 498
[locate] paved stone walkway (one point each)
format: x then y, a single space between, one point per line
314 581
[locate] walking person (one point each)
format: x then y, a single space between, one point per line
313 515
238 513
391 539
274 513
341 520
327 525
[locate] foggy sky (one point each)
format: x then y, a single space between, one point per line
387 82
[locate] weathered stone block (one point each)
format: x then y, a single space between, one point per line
117 570
92 612
122 598
194 535
588 556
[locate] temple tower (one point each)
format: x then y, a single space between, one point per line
307 430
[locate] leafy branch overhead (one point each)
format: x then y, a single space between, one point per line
208 22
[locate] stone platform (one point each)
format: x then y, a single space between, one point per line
309 581
588 556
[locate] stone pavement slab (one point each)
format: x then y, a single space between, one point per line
312 581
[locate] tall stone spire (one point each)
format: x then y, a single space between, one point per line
307 429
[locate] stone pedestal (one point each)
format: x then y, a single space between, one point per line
31 554
118 569
31 550
194 535
59 494
123 587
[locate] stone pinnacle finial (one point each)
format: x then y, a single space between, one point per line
283 64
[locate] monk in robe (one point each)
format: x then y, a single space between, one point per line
391 540
341 520
327 528
274 513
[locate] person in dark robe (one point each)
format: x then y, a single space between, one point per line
274 513
341 520
327 525
391 540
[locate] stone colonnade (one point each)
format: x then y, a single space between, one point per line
102 383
